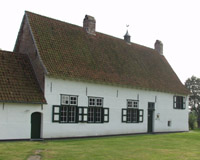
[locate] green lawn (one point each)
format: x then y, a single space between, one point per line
174 146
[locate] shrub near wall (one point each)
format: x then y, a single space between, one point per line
192 120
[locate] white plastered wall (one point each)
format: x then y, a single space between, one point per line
15 120
115 99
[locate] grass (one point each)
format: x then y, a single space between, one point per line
178 146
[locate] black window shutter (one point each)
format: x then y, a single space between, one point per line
124 115
140 115
174 102
82 114
56 113
102 115
106 115
184 102
77 114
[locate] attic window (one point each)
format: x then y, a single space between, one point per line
95 101
132 103
69 100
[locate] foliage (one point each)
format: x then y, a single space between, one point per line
193 84
192 120
178 146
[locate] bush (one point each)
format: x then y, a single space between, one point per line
192 120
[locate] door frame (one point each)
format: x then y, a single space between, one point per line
150 112
36 124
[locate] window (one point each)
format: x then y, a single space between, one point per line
68 114
96 112
68 111
179 102
132 103
69 100
95 101
132 114
169 123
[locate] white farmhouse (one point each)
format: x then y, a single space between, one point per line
87 84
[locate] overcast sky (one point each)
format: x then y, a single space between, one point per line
175 22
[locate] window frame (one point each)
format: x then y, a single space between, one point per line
95 101
136 114
67 115
181 102
100 114
132 103
69 99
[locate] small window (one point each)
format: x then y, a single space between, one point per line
179 102
132 103
96 101
69 100
169 123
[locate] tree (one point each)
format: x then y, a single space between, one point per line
193 84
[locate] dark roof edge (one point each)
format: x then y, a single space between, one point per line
19 35
45 69
2 101
116 85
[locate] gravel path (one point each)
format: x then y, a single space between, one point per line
36 156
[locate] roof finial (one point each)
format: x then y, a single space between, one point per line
127 37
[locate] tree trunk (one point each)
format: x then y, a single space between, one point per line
198 122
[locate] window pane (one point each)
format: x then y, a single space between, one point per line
129 104
73 100
128 115
134 115
63 114
98 114
90 114
179 102
91 101
65 100
135 104
72 113
99 102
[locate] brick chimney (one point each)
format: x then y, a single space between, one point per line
159 47
89 24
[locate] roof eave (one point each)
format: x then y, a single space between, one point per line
24 102
118 85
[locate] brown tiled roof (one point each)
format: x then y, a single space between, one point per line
17 79
67 51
